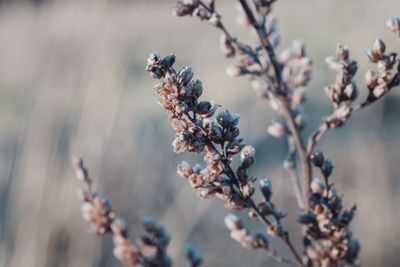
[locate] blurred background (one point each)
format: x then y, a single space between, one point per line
72 81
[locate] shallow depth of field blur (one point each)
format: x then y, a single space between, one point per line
72 81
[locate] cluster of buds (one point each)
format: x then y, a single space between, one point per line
155 240
244 237
344 90
197 8
200 130
387 74
268 209
394 25
296 64
328 239
149 250
219 136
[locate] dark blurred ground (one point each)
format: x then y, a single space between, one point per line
72 81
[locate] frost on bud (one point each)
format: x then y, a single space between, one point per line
317 186
247 151
233 222
266 188
277 130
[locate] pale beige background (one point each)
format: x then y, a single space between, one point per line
72 80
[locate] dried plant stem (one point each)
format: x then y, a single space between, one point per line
292 169
230 173
315 137
285 239
265 43
305 164
321 130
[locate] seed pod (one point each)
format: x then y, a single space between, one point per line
247 162
379 47
351 92
235 146
373 56
203 107
327 168
317 158
168 61
266 188
227 119
185 75
277 130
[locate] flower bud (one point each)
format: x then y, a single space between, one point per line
327 168
277 130
317 186
317 158
185 75
342 52
266 188
247 151
233 222
379 46
235 71
394 24
371 80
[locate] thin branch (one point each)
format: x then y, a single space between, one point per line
306 169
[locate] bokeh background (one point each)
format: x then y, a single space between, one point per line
72 81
